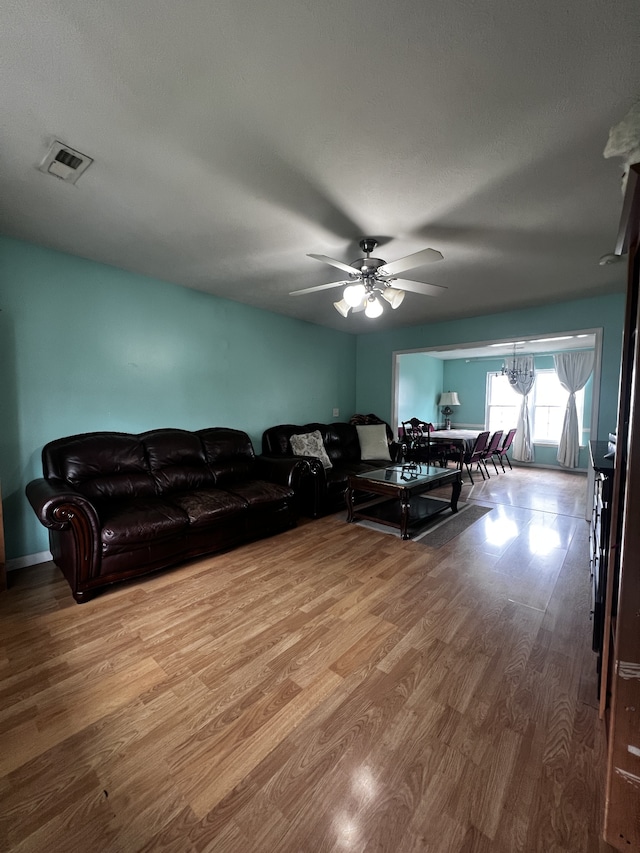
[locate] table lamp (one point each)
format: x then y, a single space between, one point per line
448 399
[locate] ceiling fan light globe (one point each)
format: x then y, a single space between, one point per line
353 294
393 296
342 307
373 309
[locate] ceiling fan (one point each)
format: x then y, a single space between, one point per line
371 277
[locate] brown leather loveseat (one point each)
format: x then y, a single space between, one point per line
322 490
118 505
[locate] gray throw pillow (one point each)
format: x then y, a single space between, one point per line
310 444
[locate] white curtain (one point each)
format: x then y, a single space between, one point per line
573 369
522 443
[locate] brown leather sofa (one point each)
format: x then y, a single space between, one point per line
322 491
119 505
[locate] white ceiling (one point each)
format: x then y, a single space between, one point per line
232 138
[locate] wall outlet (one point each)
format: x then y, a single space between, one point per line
336 413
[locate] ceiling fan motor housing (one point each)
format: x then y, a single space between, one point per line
368 266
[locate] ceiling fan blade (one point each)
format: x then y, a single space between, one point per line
319 287
418 287
325 259
410 262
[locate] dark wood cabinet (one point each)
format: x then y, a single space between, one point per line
620 657
3 565
600 538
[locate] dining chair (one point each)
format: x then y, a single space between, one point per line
491 449
474 456
416 440
501 452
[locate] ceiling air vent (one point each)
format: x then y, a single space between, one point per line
64 162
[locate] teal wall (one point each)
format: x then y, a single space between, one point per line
420 387
375 349
468 379
90 347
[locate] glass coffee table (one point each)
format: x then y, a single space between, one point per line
401 501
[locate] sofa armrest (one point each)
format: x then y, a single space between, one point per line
57 505
284 470
74 535
306 478
396 451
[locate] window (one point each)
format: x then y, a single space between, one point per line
550 403
503 404
547 404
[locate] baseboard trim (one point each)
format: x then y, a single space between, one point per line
29 560
517 464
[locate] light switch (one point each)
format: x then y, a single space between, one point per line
336 413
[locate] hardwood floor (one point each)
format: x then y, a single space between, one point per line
328 689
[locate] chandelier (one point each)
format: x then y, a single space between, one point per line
513 370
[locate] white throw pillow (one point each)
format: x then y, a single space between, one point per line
374 443
310 444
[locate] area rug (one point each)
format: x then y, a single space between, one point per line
441 530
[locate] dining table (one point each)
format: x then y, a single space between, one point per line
462 440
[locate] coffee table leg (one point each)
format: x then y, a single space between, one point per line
455 492
405 503
348 496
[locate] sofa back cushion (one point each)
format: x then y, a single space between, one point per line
340 440
276 441
100 464
177 460
229 454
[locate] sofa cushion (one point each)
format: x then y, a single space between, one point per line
374 443
177 460
310 444
100 465
129 525
207 506
340 474
260 493
341 442
229 453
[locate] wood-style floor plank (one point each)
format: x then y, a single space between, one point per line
329 689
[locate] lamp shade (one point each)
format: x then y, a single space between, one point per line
342 307
374 308
393 296
449 398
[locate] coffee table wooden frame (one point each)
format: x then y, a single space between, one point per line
402 504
